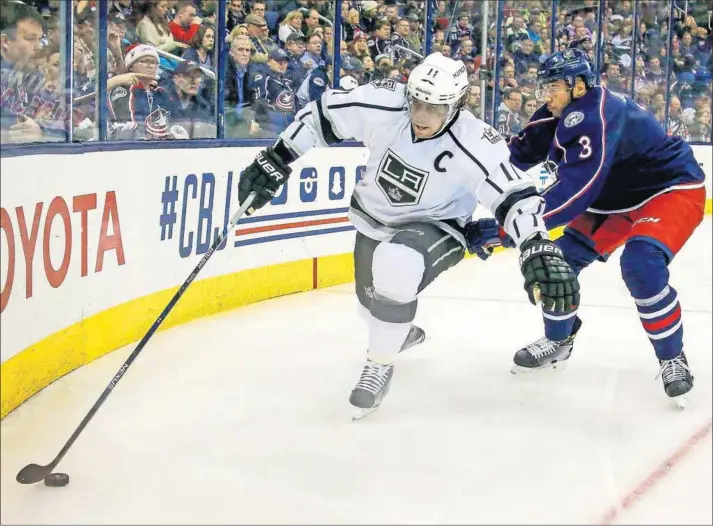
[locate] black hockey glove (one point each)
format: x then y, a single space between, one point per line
548 274
264 176
483 235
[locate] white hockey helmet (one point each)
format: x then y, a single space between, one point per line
439 81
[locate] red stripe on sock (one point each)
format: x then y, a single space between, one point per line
671 319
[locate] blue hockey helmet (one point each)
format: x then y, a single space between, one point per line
566 65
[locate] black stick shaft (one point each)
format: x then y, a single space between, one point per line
120 373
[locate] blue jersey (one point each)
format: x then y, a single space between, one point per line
610 156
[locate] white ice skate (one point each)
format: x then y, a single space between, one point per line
677 379
545 354
371 389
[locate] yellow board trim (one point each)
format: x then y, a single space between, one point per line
37 366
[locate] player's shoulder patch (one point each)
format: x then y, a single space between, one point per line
257 77
573 119
319 81
491 135
389 84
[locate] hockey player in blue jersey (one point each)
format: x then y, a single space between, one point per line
620 181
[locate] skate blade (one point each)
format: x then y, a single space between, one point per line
358 412
519 369
681 401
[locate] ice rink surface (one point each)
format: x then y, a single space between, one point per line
244 417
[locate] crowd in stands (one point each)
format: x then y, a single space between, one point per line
162 63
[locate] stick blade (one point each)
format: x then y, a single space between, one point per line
33 473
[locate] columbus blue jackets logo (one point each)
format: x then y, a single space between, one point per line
402 184
285 101
573 119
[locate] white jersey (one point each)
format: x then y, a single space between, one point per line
440 179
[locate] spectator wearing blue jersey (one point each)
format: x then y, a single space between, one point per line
274 94
295 47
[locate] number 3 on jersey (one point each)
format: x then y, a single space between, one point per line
586 143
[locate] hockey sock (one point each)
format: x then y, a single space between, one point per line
385 340
579 255
645 272
661 318
397 271
558 328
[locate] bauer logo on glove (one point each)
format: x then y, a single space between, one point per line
264 176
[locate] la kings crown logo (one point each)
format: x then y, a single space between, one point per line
402 184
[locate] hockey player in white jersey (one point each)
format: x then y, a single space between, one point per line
430 163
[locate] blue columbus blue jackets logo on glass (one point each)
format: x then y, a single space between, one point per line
401 183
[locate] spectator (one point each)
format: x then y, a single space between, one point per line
415 32
241 29
20 34
192 111
130 108
368 63
359 46
202 46
261 42
676 126
528 108
312 57
516 32
295 47
185 23
153 29
508 115
274 94
311 22
351 24
473 103
258 9
292 24
116 33
236 14
700 130
400 38
239 114
369 16
465 50
524 56
380 43
85 47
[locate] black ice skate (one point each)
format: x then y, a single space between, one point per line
544 353
415 336
371 389
677 378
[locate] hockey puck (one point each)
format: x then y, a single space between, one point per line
56 480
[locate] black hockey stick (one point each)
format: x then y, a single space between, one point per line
33 473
